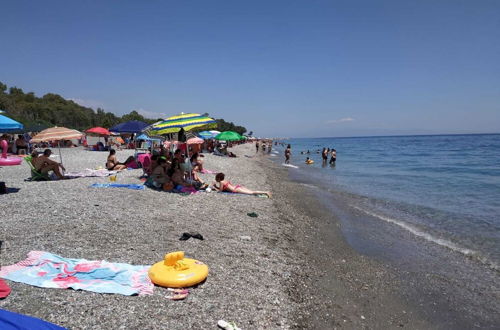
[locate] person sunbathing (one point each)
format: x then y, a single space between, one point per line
44 164
112 163
221 185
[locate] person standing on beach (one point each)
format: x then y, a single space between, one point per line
333 158
257 146
288 153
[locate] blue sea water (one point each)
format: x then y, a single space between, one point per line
443 188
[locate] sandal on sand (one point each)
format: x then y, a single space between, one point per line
227 326
252 214
197 236
185 237
179 294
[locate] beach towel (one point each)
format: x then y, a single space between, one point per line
47 270
90 173
15 321
118 185
186 190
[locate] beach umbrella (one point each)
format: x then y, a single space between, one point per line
56 134
147 138
208 134
133 126
174 124
99 131
195 140
7 124
229 136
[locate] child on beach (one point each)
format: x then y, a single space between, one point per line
221 185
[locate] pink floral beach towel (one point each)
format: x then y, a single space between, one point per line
47 270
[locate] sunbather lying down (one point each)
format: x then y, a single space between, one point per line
221 185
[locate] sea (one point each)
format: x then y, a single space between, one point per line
442 190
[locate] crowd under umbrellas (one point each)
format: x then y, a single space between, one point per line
172 134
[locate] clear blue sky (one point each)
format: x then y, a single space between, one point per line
280 68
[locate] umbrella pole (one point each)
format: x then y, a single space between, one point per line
60 154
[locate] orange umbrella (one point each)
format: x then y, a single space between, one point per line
120 140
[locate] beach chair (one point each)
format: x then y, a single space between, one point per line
35 175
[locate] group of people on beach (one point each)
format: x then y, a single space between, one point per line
264 145
174 172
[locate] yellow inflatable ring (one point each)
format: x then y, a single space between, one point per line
309 161
175 271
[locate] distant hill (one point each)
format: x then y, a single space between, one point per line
54 110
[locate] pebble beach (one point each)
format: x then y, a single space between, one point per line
288 268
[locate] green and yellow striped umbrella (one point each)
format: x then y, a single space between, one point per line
173 124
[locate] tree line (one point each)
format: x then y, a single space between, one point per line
54 110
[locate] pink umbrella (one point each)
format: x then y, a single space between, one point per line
195 140
167 144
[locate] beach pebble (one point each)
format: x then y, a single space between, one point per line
246 238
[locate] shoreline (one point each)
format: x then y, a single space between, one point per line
336 287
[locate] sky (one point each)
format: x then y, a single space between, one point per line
280 68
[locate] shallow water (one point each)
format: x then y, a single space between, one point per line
442 189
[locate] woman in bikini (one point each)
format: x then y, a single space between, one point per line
112 163
222 185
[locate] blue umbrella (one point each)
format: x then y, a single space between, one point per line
133 126
208 134
7 124
146 138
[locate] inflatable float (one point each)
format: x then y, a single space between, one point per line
175 271
309 161
8 160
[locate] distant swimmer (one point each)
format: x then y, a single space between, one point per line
288 153
333 158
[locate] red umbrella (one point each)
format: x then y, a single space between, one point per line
98 131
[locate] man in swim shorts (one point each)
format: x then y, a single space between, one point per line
43 164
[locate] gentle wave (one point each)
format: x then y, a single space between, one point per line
440 241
